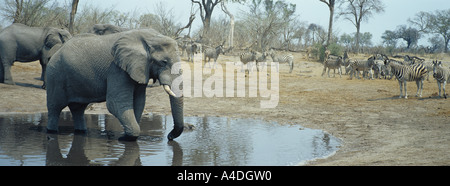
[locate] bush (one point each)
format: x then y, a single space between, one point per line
334 48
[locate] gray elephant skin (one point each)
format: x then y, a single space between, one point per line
22 43
115 68
105 29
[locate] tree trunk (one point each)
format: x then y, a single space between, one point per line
330 26
446 40
358 27
206 24
19 5
231 34
72 15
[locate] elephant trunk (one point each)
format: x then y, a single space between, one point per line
176 104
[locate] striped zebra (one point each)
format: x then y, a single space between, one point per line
214 54
192 49
361 65
247 58
333 62
405 73
442 75
282 58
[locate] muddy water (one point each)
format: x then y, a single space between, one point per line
213 141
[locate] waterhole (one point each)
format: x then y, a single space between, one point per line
209 141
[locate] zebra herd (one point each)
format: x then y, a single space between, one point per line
257 57
378 65
191 48
411 69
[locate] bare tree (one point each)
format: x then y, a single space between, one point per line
440 24
231 35
434 23
72 14
267 19
357 11
422 21
188 25
33 12
206 10
330 4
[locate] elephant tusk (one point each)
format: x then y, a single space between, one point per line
168 90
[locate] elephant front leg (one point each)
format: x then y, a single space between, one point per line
130 126
120 102
126 117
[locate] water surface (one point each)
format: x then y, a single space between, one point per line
213 141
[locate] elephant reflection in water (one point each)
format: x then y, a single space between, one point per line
106 126
77 155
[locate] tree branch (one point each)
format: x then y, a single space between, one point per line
191 19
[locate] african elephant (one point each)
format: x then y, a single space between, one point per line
115 68
105 29
22 43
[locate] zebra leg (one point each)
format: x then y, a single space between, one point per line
400 84
421 87
439 88
291 65
443 88
215 63
419 92
371 73
406 92
324 70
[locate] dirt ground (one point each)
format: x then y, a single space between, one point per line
375 126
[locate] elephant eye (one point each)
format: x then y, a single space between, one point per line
162 63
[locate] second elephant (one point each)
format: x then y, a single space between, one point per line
115 68
22 43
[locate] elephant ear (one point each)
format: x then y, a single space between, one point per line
130 54
53 38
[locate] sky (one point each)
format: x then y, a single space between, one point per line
396 13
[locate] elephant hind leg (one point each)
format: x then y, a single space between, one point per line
7 77
77 110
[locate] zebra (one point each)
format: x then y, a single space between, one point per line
377 68
191 49
261 58
442 75
364 65
333 62
282 58
245 58
405 73
213 53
